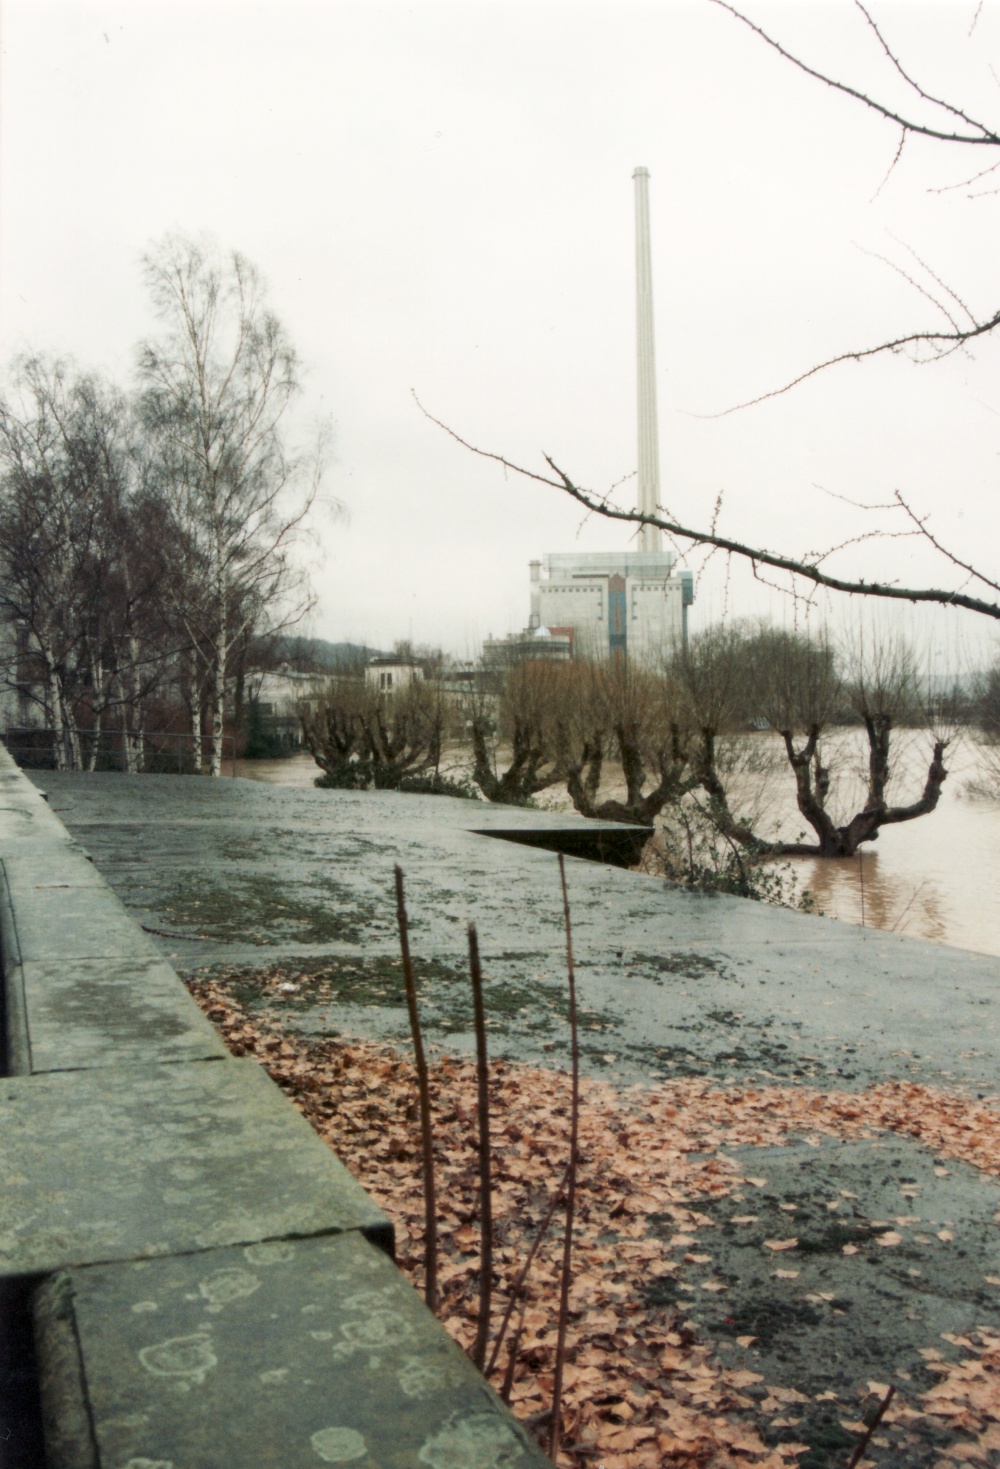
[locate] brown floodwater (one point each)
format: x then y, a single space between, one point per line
297 770
937 877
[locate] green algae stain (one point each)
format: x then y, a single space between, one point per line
261 909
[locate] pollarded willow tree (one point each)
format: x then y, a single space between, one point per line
630 722
742 679
362 736
216 388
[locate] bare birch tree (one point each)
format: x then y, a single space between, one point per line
216 389
78 565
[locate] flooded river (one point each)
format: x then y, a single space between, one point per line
935 878
298 770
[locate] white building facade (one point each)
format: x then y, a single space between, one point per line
627 602
390 675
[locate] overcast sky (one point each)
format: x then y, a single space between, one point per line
440 198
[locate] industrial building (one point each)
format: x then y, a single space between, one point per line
619 602
627 602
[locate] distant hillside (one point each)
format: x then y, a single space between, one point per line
316 655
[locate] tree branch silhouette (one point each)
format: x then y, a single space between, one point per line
809 570
978 133
971 133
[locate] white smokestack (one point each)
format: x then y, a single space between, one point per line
650 538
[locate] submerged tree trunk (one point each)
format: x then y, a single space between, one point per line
640 808
532 769
813 783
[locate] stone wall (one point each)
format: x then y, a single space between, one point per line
208 1287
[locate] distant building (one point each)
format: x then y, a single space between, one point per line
278 692
554 644
609 602
391 673
627 602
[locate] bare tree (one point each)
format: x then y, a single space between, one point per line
216 389
987 703
363 736
79 556
797 686
985 716
636 716
402 732
590 726
522 727
331 731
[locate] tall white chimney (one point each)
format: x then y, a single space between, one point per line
650 538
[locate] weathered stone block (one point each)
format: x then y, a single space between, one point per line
90 1013
141 1162
281 1355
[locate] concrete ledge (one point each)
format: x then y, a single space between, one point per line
209 1285
125 1163
618 846
109 1012
79 922
279 1354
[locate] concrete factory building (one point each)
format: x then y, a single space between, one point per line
614 601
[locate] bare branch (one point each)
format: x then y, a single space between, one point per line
921 525
912 281
979 133
898 67
798 567
574 1126
485 1194
423 1084
892 166
866 1436
974 132
949 342
936 278
966 183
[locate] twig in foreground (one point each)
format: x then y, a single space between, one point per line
485 1199
522 1276
427 1139
515 1347
574 1126
866 1437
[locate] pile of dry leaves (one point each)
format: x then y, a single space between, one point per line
640 1391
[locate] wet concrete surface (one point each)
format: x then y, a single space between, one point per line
671 983
883 1248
